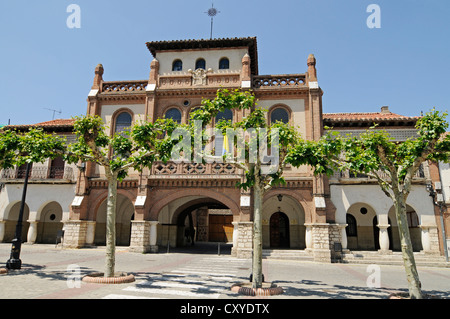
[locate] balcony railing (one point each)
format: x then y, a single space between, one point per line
172 168
291 80
347 175
124 86
39 173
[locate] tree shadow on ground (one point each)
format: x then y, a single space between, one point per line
318 289
43 273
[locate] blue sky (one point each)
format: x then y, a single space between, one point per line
405 64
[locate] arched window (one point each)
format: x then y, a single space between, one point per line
177 65
224 64
279 115
351 229
174 114
123 122
200 64
225 115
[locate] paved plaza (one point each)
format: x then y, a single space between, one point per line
50 272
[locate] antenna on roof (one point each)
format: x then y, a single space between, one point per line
212 12
54 111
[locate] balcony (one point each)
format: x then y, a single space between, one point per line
38 173
349 177
279 81
194 170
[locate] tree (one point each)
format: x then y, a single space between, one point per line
16 149
137 148
254 138
375 154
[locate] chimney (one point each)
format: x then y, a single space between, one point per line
385 110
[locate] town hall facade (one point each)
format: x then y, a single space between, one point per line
173 204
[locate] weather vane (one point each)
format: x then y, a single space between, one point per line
212 12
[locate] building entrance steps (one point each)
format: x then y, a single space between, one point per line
392 258
288 254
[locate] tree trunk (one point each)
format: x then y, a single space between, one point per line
257 235
111 224
412 275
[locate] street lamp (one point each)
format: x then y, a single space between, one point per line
438 200
14 261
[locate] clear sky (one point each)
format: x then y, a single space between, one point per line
405 64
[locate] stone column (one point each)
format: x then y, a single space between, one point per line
90 233
344 242
308 236
384 238
153 236
235 238
2 230
75 233
32 232
430 242
245 240
140 236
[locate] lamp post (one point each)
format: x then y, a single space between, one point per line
14 261
438 200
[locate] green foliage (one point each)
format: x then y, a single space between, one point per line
33 146
256 120
374 151
138 147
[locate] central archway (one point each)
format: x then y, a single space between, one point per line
194 219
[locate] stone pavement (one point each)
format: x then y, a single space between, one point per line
51 273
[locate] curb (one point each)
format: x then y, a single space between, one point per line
250 291
98 278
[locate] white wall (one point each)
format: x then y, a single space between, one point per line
37 197
344 196
212 57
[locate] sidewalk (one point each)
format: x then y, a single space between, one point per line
47 272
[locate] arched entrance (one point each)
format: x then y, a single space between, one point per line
11 222
124 215
361 232
283 222
194 219
49 223
279 230
414 229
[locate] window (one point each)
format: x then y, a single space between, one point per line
225 115
177 65
200 64
57 168
351 226
174 114
279 115
123 122
224 64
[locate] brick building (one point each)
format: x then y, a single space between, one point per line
162 205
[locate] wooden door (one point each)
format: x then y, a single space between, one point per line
279 231
221 228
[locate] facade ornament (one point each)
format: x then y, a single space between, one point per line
199 76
